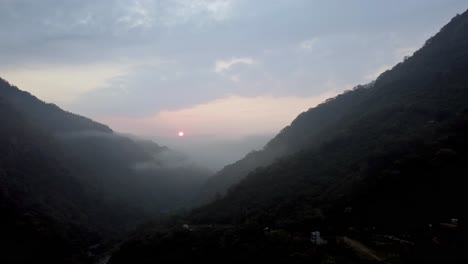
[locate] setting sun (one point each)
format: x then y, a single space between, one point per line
181 133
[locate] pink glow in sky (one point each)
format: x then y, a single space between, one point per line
229 117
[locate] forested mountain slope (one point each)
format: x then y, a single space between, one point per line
385 163
350 139
48 116
45 212
74 182
426 87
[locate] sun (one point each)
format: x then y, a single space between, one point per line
181 133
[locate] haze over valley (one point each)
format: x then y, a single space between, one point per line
208 131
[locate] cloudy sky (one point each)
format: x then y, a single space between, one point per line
217 69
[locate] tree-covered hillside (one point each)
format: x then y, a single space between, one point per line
45 214
416 84
387 160
353 138
73 182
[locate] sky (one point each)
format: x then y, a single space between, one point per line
229 73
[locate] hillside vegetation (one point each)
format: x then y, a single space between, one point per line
384 160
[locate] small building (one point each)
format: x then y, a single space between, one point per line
316 239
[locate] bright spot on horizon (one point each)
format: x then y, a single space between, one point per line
181 133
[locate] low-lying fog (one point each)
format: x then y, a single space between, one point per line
214 153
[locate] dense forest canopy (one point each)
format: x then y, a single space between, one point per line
384 160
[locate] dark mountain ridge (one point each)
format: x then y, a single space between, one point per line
70 182
384 163
315 126
404 105
48 116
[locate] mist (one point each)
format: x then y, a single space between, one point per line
233 131
214 154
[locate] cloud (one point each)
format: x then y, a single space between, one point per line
64 83
61 50
217 9
138 15
224 65
228 117
308 44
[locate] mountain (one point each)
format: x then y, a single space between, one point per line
42 203
384 163
68 182
308 130
340 141
48 116
319 124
